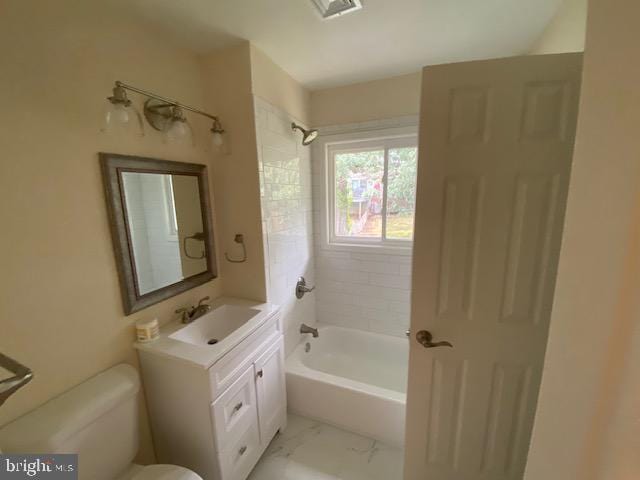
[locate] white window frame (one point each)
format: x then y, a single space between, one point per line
328 147
170 209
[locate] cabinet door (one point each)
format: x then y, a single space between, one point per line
270 388
234 411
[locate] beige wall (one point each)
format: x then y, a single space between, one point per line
277 87
361 102
60 306
227 78
587 426
566 31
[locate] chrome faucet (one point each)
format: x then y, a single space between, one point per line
190 314
307 329
301 288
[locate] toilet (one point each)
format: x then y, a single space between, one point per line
98 420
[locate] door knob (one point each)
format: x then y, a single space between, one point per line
425 339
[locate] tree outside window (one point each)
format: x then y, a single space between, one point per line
364 207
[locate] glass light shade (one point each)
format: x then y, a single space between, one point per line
217 139
120 119
179 132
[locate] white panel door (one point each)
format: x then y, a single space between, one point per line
496 142
271 391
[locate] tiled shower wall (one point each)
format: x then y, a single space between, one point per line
366 291
287 223
358 288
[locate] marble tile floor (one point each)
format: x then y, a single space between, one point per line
311 450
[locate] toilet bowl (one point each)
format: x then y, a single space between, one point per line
98 420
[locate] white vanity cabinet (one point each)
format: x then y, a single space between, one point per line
270 388
218 420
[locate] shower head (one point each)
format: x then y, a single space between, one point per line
308 136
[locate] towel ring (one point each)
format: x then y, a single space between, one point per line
239 238
196 236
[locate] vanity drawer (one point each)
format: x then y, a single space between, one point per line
238 458
229 368
235 410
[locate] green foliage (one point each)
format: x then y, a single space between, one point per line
369 165
401 191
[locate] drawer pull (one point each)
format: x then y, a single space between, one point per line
242 450
260 373
237 407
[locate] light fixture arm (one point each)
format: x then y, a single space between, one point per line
166 100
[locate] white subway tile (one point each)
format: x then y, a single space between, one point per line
375 314
401 259
347 321
371 301
326 254
279 124
339 308
403 318
332 298
370 257
285 185
403 268
342 275
276 141
378 267
392 281
399 307
331 286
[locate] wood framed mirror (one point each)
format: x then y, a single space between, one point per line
161 225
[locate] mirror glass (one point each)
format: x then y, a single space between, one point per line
161 225
164 219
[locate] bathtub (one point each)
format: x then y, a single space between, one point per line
351 379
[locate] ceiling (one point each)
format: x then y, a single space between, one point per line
385 38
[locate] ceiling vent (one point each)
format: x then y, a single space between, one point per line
335 8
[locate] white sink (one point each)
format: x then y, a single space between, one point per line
214 326
229 322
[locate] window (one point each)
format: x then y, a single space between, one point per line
170 204
372 191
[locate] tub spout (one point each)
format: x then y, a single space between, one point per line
307 329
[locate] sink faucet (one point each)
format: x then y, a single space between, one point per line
190 314
307 329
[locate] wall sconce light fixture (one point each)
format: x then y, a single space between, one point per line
117 116
217 134
163 114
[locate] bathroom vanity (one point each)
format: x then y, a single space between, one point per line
215 388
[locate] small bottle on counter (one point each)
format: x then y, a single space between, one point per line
147 330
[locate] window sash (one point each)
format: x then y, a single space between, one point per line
381 144
170 209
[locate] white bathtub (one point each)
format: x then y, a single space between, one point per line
351 379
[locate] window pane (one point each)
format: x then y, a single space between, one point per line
359 190
401 192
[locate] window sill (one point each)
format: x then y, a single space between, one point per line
387 249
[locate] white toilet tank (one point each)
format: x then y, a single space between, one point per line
98 419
